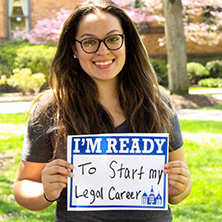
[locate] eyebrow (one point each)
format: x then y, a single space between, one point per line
91 35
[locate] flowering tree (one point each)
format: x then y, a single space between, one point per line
46 30
202 18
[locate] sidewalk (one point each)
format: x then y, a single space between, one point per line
15 105
216 93
186 114
193 114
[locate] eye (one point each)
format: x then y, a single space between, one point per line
89 42
113 39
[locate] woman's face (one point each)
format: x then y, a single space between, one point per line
104 64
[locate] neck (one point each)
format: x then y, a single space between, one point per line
109 98
108 92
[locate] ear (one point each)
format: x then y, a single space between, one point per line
75 54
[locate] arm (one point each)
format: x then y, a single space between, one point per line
34 179
179 178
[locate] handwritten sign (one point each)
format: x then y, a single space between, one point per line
118 172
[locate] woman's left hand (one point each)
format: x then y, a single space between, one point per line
178 177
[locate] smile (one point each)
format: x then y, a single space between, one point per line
104 63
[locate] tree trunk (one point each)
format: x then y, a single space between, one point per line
176 47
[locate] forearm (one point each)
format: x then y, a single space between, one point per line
29 194
181 197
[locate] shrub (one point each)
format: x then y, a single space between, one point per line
8 52
4 87
210 82
196 71
37 58
215 68
160 66
26 81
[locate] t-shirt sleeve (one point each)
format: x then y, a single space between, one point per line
37 144
176 138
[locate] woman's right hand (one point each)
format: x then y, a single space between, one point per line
54 177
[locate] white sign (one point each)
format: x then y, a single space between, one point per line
118 172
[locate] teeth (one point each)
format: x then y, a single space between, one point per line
103 63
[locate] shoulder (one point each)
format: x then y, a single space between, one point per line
43 100
165 97
44 106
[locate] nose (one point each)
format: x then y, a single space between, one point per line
103 49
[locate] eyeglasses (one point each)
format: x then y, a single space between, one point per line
112 42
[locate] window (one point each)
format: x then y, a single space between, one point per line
18 15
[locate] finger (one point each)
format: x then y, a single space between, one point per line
177 171
179 178
55 186
57 179
61 163
59 170
176 164
176 184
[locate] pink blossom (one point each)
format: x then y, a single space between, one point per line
45 30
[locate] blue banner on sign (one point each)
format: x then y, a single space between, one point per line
119 144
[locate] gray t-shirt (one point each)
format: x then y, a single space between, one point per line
38 147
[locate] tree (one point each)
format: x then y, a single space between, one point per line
176 47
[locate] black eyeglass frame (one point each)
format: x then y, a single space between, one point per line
101 40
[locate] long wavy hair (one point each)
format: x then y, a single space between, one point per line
77 107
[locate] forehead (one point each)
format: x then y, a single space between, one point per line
99 24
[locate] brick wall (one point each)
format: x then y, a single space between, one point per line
48 8
152 45
3 29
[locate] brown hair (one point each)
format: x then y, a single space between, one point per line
78 110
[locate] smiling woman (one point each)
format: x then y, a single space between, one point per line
101 82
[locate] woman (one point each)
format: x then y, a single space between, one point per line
102 82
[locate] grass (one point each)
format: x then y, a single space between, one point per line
194 88
16 119
198 126
12 128
203 153
203 150
216 107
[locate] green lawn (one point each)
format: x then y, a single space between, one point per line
12 127
216 107
203 149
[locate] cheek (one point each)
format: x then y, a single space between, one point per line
85 60
122 57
